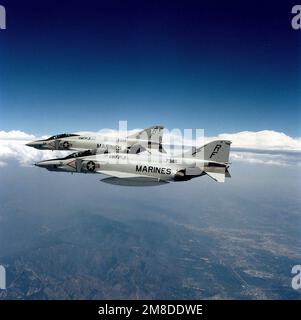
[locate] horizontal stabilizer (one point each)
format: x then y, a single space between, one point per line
219 177
228 175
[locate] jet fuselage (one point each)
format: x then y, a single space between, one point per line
159 167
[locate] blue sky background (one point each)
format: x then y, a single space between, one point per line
225 67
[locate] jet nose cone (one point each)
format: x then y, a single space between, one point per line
30 144
48 164
44 163
35 144
39 144
40 164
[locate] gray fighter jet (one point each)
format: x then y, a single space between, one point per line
148 168
150 138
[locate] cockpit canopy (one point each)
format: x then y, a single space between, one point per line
63 135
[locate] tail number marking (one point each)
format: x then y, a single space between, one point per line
215 150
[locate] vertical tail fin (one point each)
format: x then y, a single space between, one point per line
153 134
215 151
150 138
216 158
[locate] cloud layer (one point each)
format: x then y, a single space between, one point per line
264 147
266 140
13 148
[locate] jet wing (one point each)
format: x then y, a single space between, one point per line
123 175
133 182
219 177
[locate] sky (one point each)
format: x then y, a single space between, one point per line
225 67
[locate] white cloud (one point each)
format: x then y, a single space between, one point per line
279 159
264 147
259 140
15 135
266 140
12 147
